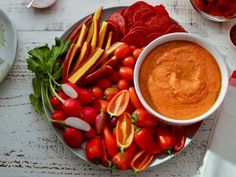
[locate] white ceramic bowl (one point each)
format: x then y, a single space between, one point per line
201 42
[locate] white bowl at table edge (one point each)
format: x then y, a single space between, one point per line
205 44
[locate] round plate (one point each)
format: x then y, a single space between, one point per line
191 131
8 43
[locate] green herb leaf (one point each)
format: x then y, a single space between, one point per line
45 63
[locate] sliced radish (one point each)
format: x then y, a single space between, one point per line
70 89
78 123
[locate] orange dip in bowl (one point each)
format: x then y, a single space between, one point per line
180 80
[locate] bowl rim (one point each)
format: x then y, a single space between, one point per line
182 36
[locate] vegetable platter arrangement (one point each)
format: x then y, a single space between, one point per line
86 82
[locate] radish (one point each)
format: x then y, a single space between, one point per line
85 96
90 134
72 107
70 89
78 123
73 137
100 122
59 116
56 103
88 114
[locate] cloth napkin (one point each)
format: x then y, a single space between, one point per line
220 158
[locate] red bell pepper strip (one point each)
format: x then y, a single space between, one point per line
110 141
75 33
165 139
179 136
122 160
66 62
144 139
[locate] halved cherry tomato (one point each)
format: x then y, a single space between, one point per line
124 131
145 140
119 103
137 52
94 150
123 84
110 141
122 160
110 92
122 51
126 72
129 61
165 139
142 118
103 83
179 136
100 105
134 98
97 92
141 160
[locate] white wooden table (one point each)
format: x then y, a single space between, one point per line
28 147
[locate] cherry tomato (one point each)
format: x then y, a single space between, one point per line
132 48
126 73
88 114
123 84
122 51
58 115
114 77
129 61
97 92
110 92
103 83
134 98
73 137
137 52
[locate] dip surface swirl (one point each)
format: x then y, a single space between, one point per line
180 80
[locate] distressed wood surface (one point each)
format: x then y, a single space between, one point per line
28 147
